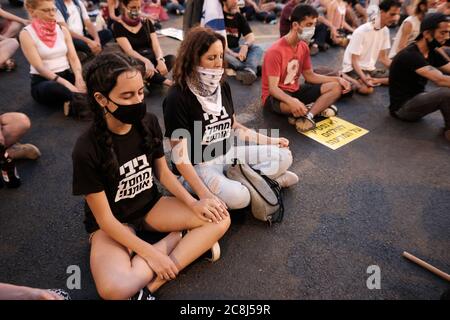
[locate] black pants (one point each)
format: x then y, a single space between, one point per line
49 92
104 35
426 103
157 77
265 16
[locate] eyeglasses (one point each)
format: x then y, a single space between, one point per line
48 10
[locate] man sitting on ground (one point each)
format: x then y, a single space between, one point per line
414 66
370 43
285 61
244 58
73 15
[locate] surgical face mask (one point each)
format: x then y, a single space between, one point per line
129 114
432 10
306 34
134 14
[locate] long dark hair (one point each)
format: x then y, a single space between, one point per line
101 76
196 43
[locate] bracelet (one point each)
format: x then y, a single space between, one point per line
56 78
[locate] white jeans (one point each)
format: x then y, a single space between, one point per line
271 160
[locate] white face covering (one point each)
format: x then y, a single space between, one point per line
307 34
432 10
208 90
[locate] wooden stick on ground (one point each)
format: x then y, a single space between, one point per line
427 266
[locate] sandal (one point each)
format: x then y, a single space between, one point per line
304 124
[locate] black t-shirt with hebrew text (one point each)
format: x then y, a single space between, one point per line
208 135
133 193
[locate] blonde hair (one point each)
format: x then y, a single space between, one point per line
32 4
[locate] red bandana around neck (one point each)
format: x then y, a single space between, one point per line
45 30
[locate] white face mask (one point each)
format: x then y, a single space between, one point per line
306 34
432 10
210 78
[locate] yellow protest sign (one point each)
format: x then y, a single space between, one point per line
335 132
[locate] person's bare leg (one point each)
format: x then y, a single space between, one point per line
330 92
13 126
7 49
117 276
13 29
171 214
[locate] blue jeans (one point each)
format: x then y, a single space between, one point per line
172 7
252 62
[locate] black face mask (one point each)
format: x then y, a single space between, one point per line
129 114
433 44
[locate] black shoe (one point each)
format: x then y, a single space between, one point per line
143 294
247 77
258 71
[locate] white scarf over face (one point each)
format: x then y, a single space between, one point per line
208 91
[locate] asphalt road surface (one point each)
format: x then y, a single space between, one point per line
358 206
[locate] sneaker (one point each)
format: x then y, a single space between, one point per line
214 253
304 124
24 151
246 76
287 179
331 111
143 294
61 293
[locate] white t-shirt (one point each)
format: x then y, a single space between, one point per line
74 20
367 43
55 58
415 23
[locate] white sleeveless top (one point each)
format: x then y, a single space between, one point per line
415 22
54 59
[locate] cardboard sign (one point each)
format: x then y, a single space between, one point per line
335 132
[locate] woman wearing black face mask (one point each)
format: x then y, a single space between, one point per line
113 167
137 38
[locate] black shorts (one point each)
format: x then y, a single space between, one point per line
308 93
377 73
